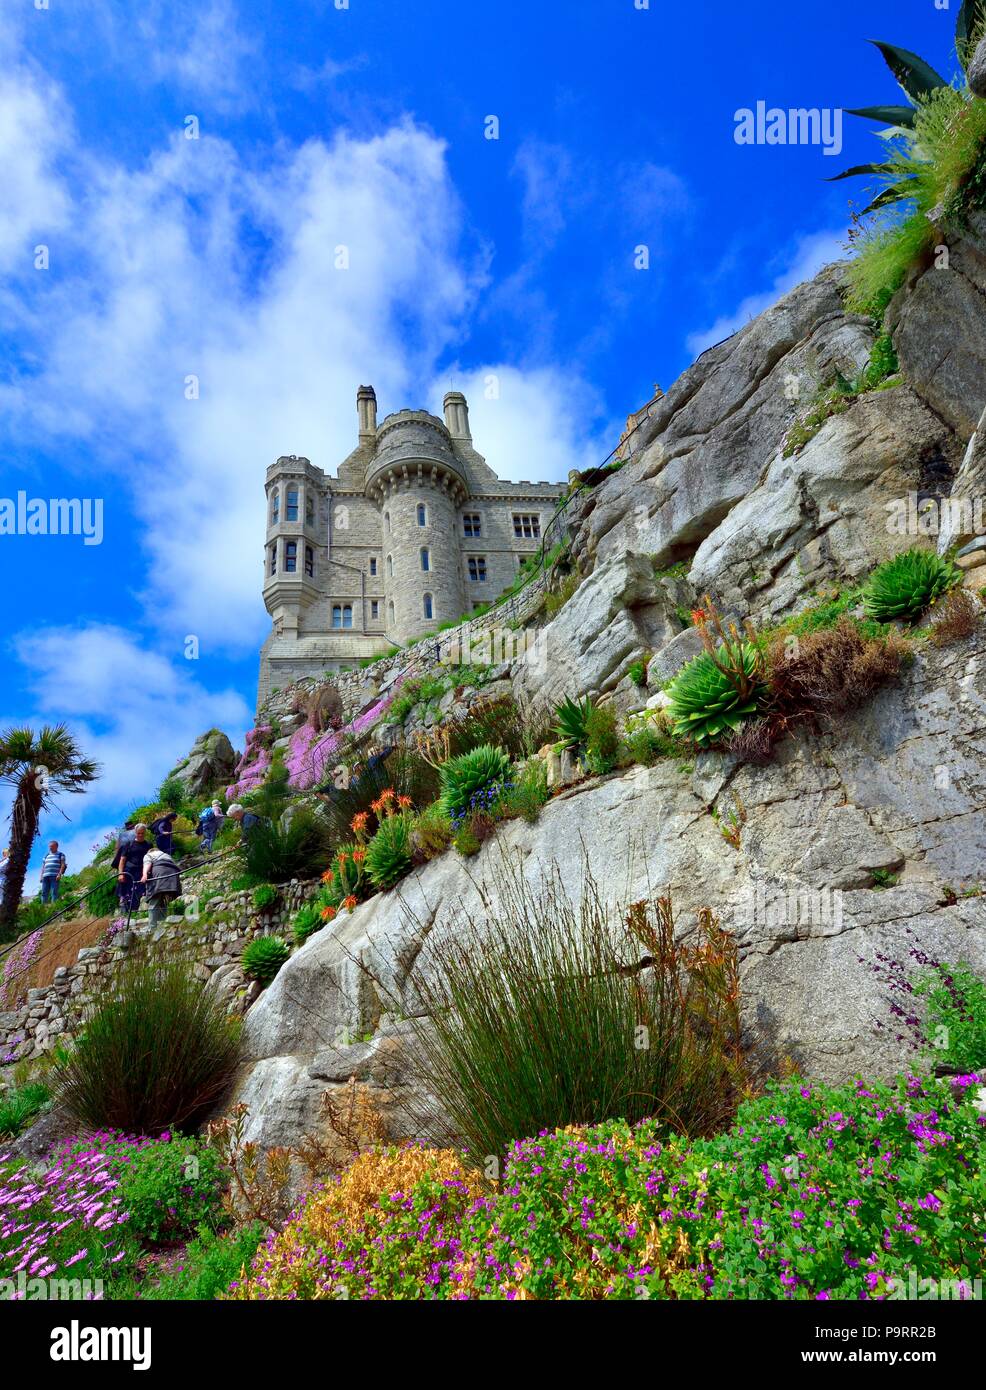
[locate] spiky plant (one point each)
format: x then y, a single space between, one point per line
919 82
264 957
907 585
571 722
388 855
467 779
707 699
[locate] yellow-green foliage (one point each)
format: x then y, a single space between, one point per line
932 167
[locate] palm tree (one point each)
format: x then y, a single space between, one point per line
37 768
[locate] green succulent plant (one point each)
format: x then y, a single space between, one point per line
264 957
388 855
571 721
306 921
707 702
471 776
918 81
908 584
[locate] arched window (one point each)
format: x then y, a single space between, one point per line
390 566
291 557
309 562
386 522
425 559
422 514
390 611
275 506
337 615
428 606
373 564
291 511
347 615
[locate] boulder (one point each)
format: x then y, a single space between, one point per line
210 764
615 615
976 73
964 516
939 330
709 438
669 660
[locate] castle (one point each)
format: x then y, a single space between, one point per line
415 530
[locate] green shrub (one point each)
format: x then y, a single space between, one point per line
602 739
263 958
529 793
211 1265
519 730
638 673
388 855
955 1016
20 1106
264 897
169 1188
307 920
172 795
473 781
275 854
537 1024
907 585
847 1193
156 1051
708 702
571 722
432 831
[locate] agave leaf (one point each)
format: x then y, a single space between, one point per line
896 116
894 194
861 169
916 77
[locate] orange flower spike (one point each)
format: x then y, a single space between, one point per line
699 616
359 855
405 803
387 794
328 913
328 876
349 902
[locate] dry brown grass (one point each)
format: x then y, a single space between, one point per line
955 618
830 672
61 943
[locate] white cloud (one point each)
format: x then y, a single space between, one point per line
212 61
537 425
810 254
34 130
133 710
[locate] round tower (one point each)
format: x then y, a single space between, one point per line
419 486
292 552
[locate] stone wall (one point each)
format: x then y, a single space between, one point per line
215 943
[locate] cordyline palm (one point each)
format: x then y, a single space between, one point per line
37 767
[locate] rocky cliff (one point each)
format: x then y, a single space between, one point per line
855 842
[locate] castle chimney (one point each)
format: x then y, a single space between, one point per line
456 415
366 409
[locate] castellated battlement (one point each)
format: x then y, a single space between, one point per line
413 530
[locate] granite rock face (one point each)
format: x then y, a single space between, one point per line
893 797
210 764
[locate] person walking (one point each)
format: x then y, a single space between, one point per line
53 868
210 823
245 819
162 884
163 830
129 864
125 836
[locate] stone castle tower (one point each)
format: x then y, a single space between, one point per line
413 531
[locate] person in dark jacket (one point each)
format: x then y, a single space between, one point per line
162 830
129 864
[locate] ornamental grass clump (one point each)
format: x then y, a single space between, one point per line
263 958
156 1051
906 586
546 1019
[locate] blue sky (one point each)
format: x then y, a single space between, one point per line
215 258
